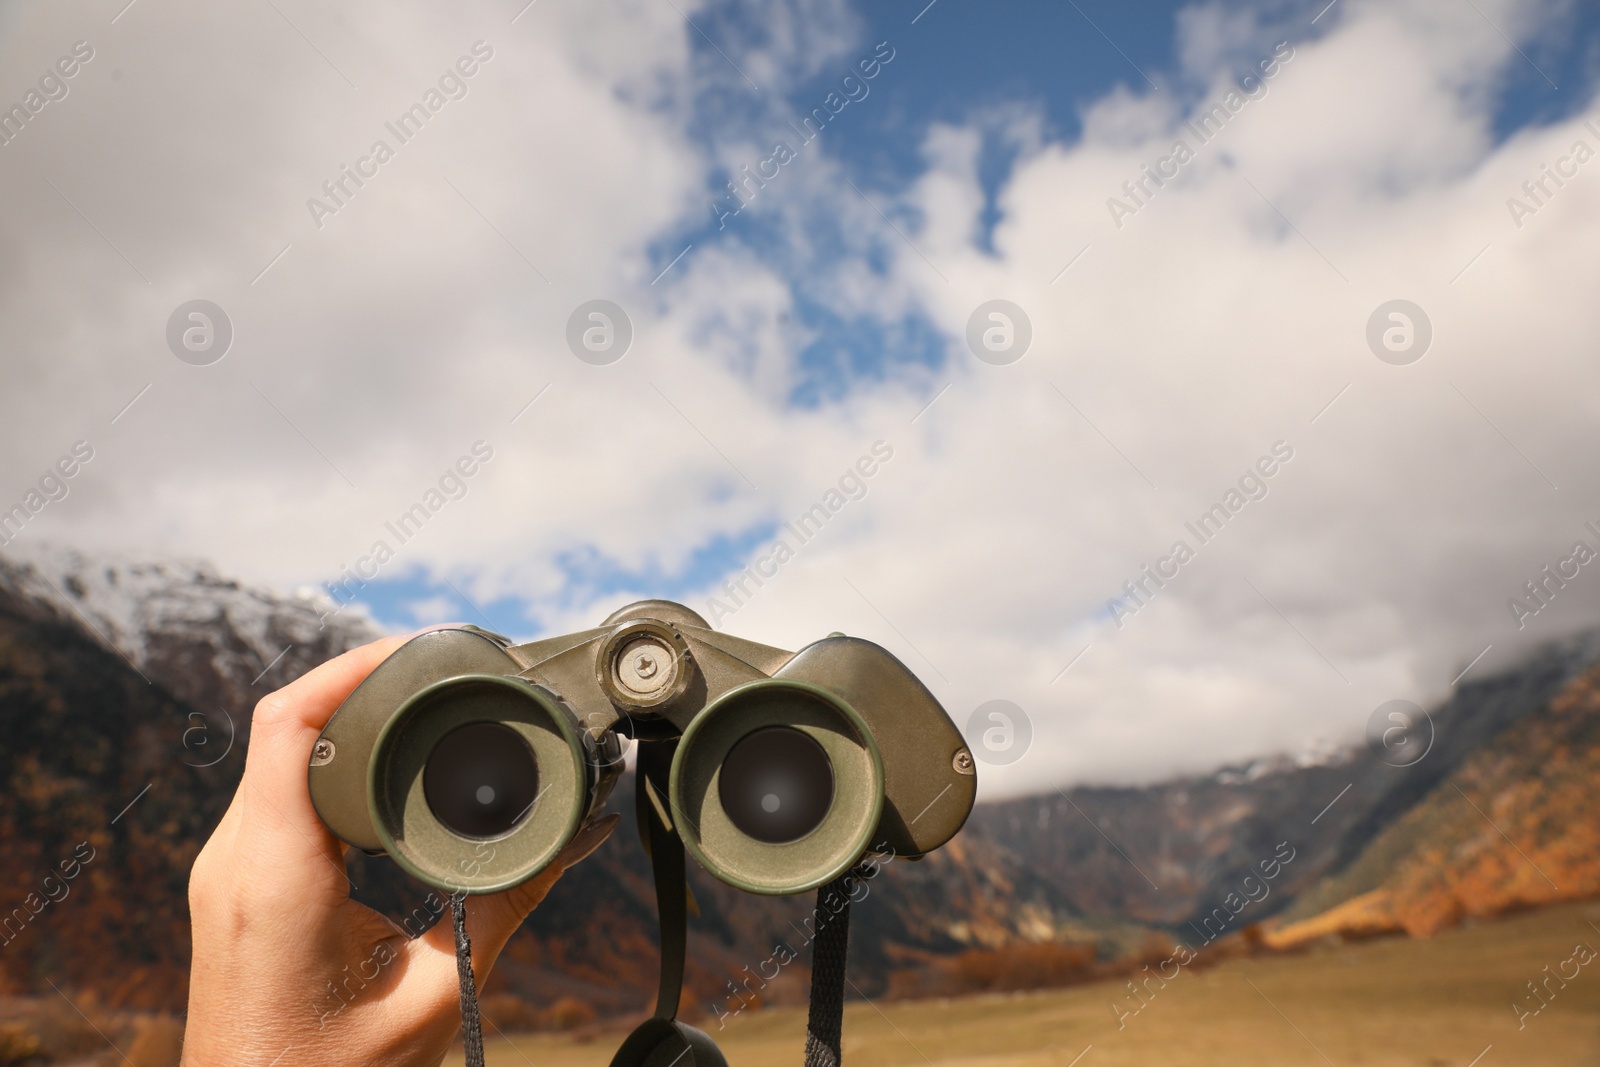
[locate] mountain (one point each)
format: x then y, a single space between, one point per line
125 697
206 639
1516 826
1168 855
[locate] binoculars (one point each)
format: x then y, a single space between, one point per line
473 761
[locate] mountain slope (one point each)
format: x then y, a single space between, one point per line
1515 826
1109 849
84 736
206 638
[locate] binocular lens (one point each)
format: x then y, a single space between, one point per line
779 785
776 785
481 780
477 781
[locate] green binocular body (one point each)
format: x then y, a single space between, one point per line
473 761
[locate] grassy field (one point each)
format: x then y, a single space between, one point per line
1445 1002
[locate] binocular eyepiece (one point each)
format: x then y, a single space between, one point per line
473 761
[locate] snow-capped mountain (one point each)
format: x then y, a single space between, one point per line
207 639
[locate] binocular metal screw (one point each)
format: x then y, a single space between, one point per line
645 665
322 752
638 665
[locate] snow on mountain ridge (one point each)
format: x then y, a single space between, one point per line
156 613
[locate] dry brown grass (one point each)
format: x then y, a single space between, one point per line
1386 1003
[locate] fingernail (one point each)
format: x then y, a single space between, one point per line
604 825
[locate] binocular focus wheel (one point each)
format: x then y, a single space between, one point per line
477 782
777 787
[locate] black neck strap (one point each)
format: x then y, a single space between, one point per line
471 1025
667 861
825 1022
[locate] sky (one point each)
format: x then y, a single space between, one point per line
1288 400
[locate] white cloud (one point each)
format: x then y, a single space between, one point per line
1190 340
1204 330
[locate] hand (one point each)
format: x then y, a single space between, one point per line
275 929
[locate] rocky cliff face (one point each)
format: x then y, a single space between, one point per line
125 695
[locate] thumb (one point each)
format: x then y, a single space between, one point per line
492 919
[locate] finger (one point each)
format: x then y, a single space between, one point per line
286 723
277 821
585 841
310 700
492 919
498 916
